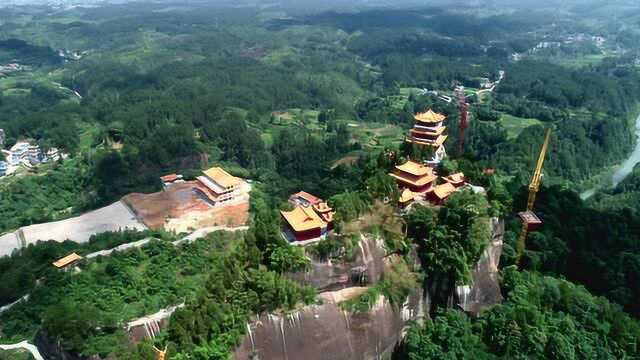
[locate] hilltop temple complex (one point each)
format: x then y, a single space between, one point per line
419 181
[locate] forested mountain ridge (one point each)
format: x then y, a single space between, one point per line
321 101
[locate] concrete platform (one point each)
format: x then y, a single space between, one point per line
114 217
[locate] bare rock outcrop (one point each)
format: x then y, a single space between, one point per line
366 268
327 331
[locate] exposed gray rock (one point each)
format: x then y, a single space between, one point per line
366 268
327 331
484 290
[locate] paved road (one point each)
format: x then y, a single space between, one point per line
24 345
135 244
205 231
7 307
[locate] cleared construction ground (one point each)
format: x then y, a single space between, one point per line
114 217
178 208
181 209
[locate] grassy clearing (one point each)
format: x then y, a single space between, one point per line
514 125
582 61
373 135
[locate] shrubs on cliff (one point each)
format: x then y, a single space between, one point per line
450 241
542 317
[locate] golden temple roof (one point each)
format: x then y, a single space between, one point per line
437 143
443 191
415 168
429 116
407 196
302 219
67 260
456 178
221 177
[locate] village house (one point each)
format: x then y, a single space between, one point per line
24 152
4 166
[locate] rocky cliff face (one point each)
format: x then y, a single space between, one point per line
366 268
52 350
328 332
484 290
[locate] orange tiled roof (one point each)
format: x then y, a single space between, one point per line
422 181
65 261
407 196
443 191
221 177
415 168
302 219
169 178
438 131
455 178
437 143
308 197
429 116
322 207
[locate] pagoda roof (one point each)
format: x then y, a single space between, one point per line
415 168
456 178
439 130
322 207
67 260
169 178
221 177
437 143
422 181
407 196
429 116
308 197
443 191
302 219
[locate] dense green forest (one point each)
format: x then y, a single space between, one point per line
322 101
541 317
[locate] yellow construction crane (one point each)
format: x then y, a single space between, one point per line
529 218
160 354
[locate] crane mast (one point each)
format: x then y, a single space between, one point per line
464 118
528 216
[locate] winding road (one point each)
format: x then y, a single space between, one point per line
24 345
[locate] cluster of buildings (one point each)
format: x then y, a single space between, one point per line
25 153
215 186
311 218
419 181
30 154
5 70
70 55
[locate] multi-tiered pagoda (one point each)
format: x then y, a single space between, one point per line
430 131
